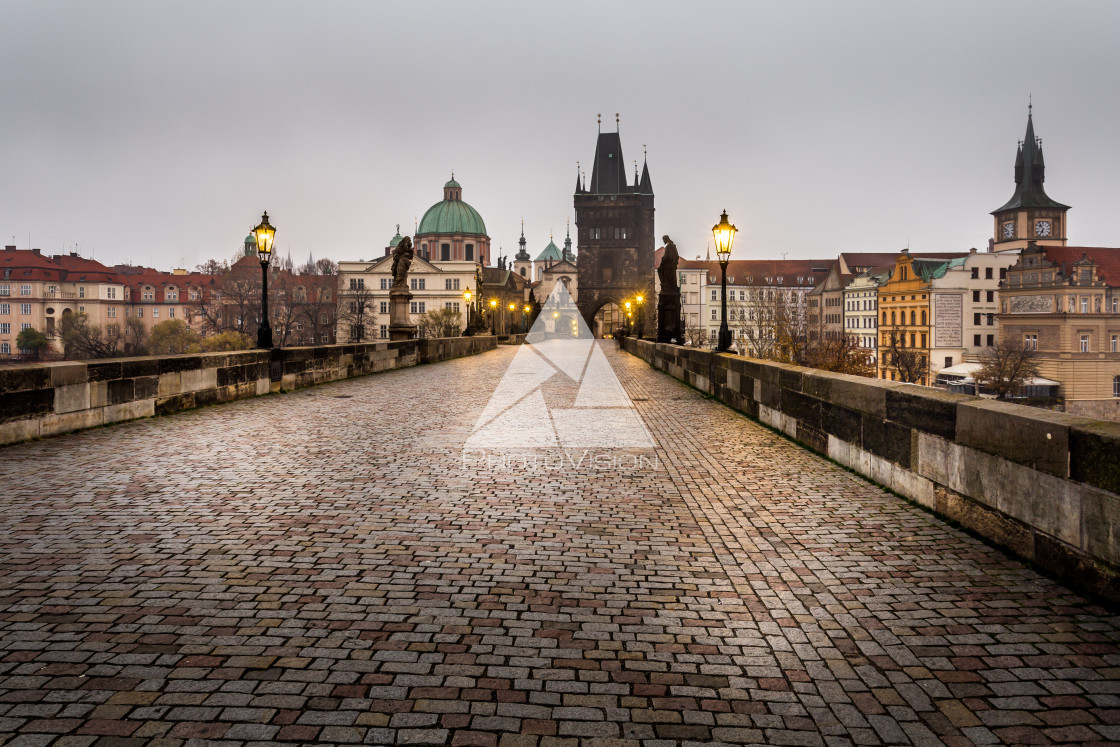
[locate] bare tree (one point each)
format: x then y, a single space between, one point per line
326 266
1006 367
358 312
907 362
82 340
440 323
841 354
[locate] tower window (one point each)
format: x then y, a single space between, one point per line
445 252
469 256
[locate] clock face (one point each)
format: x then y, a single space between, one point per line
1042 228
1008 230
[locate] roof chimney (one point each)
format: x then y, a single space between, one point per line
972 250
10 248
37 251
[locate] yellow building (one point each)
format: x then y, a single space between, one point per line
904 332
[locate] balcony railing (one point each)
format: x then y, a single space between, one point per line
59 294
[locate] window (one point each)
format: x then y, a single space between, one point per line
360 283
5 308
1003 273
923 339
384 283
81 291
1084 305
991 296
1084 343
170 312
1114 344
976 340
5 328
25 325
948 361
713 315
714 294
25 308
987 273
5 290
139 312
171 294
111 293
111 312
6 349
912 318
976 296
384 307
991 340
417 283
923 317
383 331
417 307
193 294
149 294
469 256
445 252
975 273
1030 341
25 290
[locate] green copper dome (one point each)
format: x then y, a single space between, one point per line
452 215
551 253
396 239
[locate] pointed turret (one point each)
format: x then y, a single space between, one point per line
608 176
1029 175
522 254
568 256
646 185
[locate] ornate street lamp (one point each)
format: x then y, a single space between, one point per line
509 326
525 319
467 298
628 318
265 234
640 299
493 313
724 235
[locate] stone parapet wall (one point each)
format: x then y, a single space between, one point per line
39 400
1044 485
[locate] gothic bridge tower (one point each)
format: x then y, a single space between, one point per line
615 236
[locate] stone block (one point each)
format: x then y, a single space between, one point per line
174 403
1100 524
860 393
839 451
987 522
141 408
1094 455
103 370
886 439
841 422
815 439
25 404
913 486
71 397
64 374
1047 503
23 378
928 410
264 386
1036 438
817 384
121 391
173 363
71 421
802 407
146 387
131 368
98 393
170 384
18 430
199 378
1069 562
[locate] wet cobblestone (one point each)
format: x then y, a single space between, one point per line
325 565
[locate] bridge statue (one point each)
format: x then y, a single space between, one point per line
400 316
669 297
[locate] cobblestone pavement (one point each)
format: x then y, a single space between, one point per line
326 566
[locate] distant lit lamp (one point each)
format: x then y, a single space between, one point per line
525 319
724 235
640 299
467 298
493 313
509 325
265 234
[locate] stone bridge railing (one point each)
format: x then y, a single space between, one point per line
1041 484
38 400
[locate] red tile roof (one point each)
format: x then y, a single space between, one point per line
755 271
1107 260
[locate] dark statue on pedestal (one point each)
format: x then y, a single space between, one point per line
400 318
669 297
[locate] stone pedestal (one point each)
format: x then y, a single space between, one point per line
400 315
669 317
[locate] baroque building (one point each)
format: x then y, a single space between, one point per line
615 235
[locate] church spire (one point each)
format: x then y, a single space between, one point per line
568 242
645 186
1030 173
522 254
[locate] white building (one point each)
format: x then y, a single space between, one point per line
861 309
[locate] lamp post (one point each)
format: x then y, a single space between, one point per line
724 235
640 299
509 326
467 298
264 234
525 319
628 318
493 313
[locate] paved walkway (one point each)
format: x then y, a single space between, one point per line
325 566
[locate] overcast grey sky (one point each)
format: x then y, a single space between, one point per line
156 133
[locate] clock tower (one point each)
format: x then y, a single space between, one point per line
1030 215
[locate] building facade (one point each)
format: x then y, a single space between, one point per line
861 309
